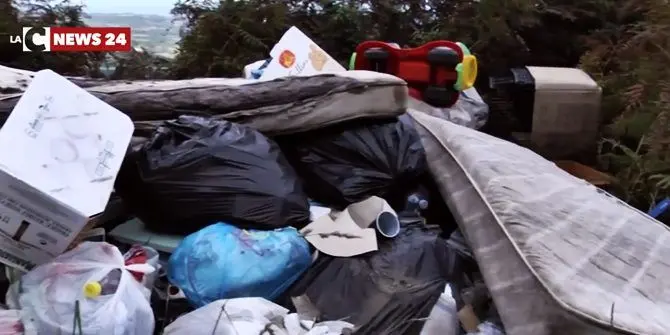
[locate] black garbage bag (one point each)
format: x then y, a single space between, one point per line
194 172
352 161
388 291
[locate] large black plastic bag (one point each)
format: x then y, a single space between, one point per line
195 171
349 162
384 292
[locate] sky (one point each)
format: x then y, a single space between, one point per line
160 7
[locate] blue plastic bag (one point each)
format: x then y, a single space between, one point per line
222 262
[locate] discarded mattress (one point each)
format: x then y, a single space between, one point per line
279 106
559 255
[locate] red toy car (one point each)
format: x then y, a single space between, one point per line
435 71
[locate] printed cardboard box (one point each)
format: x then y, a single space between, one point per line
60 151
297 55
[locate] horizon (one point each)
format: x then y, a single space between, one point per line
131 7
126 13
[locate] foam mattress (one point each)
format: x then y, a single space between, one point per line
559 255
279 106
284 105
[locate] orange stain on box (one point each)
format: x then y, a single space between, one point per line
286 59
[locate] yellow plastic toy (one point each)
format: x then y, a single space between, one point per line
467 70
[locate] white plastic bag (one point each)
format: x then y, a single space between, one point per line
488 328
230 317
470 110
48 294
241 316
295 326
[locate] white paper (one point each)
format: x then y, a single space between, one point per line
340 238
297 55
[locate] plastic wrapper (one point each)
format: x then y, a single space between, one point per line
51 293
139 254
195 171
221 262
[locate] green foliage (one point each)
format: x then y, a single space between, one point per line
138 65
629 57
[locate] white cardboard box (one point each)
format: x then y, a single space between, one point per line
297 55
60 151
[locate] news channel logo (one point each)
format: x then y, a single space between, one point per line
33 39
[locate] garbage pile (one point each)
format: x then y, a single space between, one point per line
290 220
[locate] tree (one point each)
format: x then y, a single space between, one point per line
138 65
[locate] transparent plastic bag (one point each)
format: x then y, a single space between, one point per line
49 294
139 254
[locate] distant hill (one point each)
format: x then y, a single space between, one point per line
155 33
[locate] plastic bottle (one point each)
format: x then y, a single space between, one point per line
106 286
443 318
661 211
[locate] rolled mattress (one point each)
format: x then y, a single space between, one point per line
302 103
558 255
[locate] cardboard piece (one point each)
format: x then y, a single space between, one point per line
585 172
469 319
93 235
348 233
60 151
297 55
566 111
